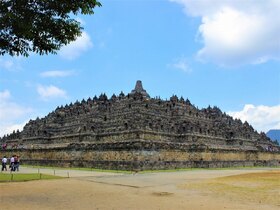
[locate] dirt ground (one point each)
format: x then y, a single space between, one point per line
240 189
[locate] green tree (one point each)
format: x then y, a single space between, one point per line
40 26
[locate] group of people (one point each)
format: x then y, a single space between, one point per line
14 163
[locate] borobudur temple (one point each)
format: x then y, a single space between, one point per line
137 132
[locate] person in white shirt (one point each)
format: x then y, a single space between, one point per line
12 163
4 163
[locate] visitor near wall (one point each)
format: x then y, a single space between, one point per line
12 163
4 163
16 163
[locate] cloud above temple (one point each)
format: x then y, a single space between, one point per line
76 48
262 118
6 64
56 73
234 33
50 92
10 63
181 64
12 115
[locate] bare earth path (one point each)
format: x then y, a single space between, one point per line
240 189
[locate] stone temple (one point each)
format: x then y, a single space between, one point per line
135 131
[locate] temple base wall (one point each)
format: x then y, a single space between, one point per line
144 159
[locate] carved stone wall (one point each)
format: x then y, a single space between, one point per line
146 159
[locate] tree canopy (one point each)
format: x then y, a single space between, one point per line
40 26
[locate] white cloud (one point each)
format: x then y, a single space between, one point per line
12 115
4 95
10 63
236 32
9 109
82 22
262 118
56 73
50 92
7 64
76 48
181 64
9 128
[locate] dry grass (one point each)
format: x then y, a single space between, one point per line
254 187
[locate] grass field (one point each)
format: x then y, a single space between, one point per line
11 177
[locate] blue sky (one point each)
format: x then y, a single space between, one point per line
224 53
